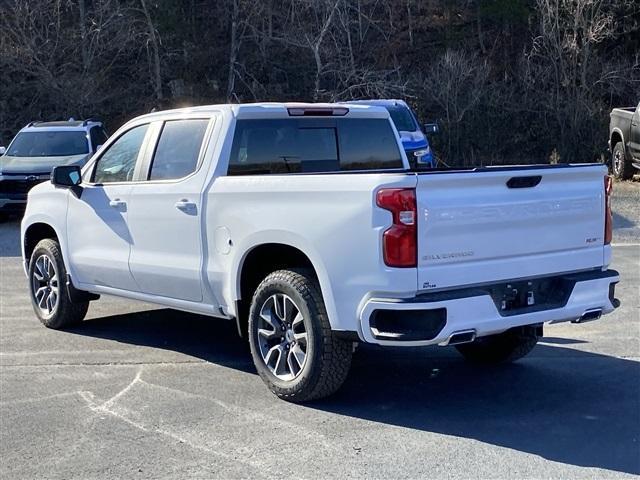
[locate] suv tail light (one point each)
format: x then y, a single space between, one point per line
399 242
608 220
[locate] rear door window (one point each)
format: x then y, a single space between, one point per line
178 149
278 146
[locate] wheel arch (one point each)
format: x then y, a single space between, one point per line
616 136
34 233
263 258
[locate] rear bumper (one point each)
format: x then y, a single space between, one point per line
475 309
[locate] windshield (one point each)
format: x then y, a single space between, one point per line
49 144
402 118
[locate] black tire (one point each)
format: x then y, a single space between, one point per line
327 359
65 313
621 166
504 347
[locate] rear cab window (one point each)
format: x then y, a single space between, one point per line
313 145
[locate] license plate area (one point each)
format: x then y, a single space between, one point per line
523 296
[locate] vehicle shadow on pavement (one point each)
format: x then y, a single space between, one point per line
620 221
565 405
211 339
562 404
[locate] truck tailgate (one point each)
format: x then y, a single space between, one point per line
474 228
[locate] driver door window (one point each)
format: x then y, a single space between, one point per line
118 163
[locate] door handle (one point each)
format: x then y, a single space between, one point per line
117 203
185 205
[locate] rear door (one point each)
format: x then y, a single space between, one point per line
165 212
485 226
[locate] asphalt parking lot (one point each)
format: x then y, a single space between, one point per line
139 391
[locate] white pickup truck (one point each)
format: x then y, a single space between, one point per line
304 224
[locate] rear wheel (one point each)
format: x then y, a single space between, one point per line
48 288
293 347
504 347
621 168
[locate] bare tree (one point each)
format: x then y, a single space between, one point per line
306 25
457 82
564 69
155 50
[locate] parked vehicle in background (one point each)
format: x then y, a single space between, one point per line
304 224
414 139
37 149
624 142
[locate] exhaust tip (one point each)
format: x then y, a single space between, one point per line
589 316
462 336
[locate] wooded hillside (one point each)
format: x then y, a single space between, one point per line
508 80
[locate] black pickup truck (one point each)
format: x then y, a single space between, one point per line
624 141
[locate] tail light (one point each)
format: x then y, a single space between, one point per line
608 220
317 111
399 242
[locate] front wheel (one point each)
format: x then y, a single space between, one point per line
48 288
504 347
293 347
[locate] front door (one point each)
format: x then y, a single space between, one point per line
165 216
99 239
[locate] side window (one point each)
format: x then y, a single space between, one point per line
178 149
98 137
118 163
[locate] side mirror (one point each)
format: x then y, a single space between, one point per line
68 176
3 150
431 128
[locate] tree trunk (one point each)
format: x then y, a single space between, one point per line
155 50
83 35
480 32
233 52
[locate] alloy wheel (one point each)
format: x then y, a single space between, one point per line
618 162
282 337
45 285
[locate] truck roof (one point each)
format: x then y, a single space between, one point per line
270 110
382 102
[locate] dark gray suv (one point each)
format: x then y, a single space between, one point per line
39 147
